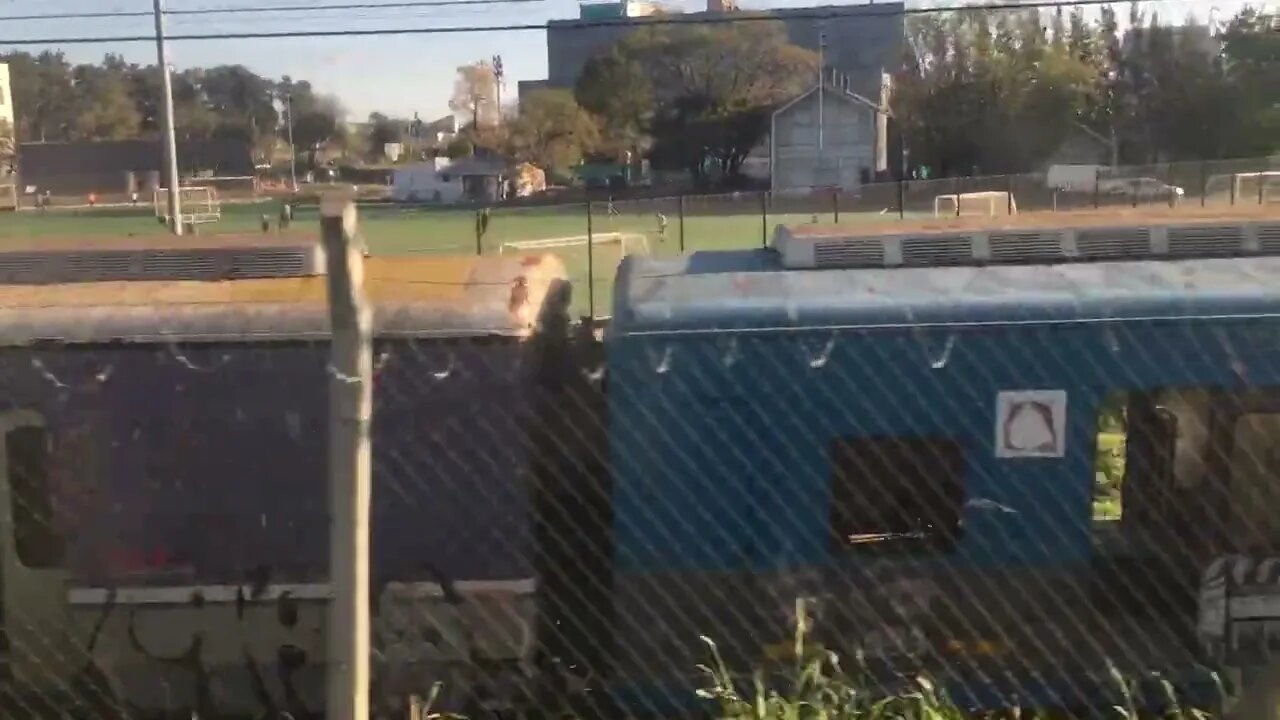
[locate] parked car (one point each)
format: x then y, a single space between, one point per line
1145 189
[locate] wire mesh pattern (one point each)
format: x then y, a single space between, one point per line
546 540
593 236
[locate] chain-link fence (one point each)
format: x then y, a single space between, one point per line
1048 496
1050 490
593 236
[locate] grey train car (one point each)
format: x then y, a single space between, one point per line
164 448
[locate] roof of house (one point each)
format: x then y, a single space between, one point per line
834 91
411 296
750 289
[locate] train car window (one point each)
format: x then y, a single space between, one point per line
1151 465
1255 480
1110 458
37 542
1190 409
897 493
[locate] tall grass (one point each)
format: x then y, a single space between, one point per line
815 686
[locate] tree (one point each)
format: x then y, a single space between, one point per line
989 93
475 94
617 91
317 119
103 108
459 147
382 132
42 94
708 90
1251 69
552 131
242 100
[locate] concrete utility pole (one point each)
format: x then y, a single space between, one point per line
293 151
819 173
350 416
170 134
822 80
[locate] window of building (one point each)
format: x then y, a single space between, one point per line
36 541
897 492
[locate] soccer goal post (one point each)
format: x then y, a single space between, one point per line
200 205
626 243
990 203
1262 186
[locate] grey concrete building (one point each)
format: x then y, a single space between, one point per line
862 41
525 88
826 139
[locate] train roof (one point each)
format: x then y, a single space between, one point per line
751 290
424 296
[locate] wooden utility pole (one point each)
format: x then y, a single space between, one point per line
350 415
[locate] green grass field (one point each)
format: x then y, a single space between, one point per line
397 231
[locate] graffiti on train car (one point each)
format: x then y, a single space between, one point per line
258 650
196 582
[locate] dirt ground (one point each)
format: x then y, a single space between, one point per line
1107 217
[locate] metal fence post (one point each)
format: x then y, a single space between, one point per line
902 197
591 267
1008 188
479 232
764 218
350 415
1233 188
835 205
680 216
1097 188
955 188
1261 195
1204 181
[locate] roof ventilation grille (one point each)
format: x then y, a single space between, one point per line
849 253
224 260
1027 247
1206 241
1113 243
1269 238
943 250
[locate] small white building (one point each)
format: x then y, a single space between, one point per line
7 114
827 137
428 181
441 180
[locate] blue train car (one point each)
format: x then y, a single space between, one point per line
916 451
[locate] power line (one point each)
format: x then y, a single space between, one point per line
256 9
718 19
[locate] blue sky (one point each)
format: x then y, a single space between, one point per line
395 74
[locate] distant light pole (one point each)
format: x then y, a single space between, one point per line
170 135
293 151
499 74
